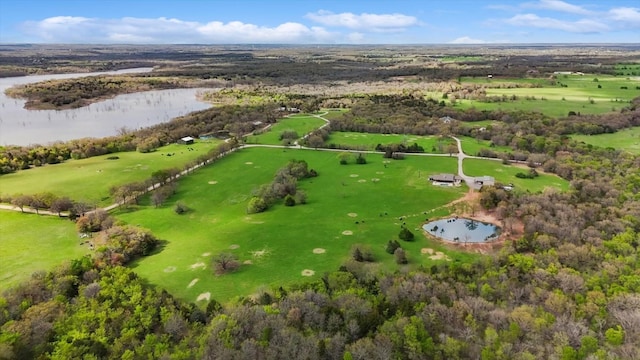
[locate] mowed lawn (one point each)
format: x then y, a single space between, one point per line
301 124
506 174
90 179
347 204
29 243
625 139
369 141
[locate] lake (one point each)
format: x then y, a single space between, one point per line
19 126
462 230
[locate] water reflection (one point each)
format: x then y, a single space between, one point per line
462 230
19 126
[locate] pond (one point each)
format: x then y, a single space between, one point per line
19 126
461 230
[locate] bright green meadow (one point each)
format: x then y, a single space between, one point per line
301 124
625 139
507 174
347 204
368 141
580 95
30 243
90 179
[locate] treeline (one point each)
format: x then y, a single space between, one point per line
79 92
161 182
221 121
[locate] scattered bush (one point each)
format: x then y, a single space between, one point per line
532 174
360 253
406 234
224 263
392 245
401 256
180 208
257 205
289 200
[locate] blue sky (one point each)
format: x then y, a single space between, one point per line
319 22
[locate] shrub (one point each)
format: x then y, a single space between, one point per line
361 159
406 234
401 256
180 208
257 205
289 200
361 254
301 197
392 245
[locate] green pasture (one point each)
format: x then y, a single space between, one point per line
372 201
332 113
90 179
625 139
581 94
368 141
301 124
472 146
30 243
506 174
631 69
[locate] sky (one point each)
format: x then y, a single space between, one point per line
319 22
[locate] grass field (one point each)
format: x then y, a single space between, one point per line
90 179
29 243
625 139
368 141
472 146
367 200
302 124
507 174
580 95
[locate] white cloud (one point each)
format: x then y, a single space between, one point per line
364 21
627 15
557 5
467 40
67 29
355 37
580 26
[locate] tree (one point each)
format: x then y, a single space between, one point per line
401 256
392 245
225 262
406 234
256 205
21 201
315 141
61 204
344 158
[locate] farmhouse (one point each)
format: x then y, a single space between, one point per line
187 140
445 179
446 119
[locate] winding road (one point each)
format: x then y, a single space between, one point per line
461 156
